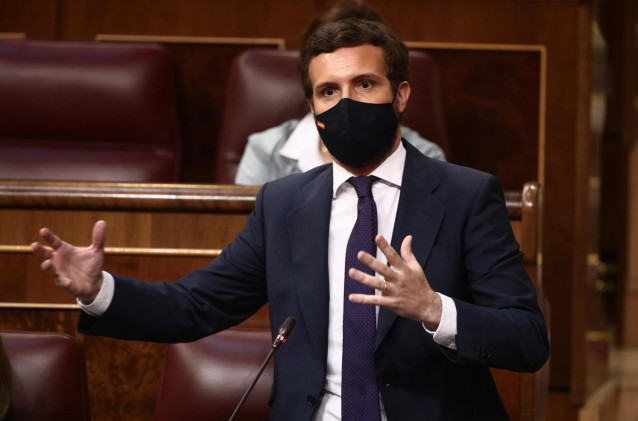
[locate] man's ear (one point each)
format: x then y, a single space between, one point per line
402 96
309 101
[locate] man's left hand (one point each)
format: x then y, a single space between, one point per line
405 291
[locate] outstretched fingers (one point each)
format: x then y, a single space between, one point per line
398 267
406 252
46 254
372 262
99 235
390 253
50 238
40 251
47 267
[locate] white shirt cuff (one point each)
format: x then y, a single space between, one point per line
445 334
103 299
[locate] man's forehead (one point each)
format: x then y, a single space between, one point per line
362 59
349 52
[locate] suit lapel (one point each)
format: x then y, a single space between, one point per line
419 214
309 225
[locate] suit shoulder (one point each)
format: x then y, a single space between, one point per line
444 170
451 182
296 182
460 171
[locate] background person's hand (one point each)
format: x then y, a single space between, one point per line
406 290
77 271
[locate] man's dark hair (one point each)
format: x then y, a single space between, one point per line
354 32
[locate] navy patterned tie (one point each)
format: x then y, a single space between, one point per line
359 388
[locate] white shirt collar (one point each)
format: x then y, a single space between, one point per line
303 145
390 170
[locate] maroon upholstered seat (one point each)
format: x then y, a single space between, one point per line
264 90
206 379
87 111
49 377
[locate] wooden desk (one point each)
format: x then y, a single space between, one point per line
159 233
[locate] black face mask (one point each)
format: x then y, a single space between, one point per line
358 134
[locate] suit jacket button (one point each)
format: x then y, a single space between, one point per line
311 401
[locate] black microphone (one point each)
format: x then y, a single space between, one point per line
284 331
282 335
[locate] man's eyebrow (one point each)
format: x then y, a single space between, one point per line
327 84
322 85
368 76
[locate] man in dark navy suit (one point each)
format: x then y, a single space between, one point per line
449 293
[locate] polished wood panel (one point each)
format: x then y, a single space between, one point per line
494 99
12 35
37 19
83 19
125 196
150 228
24 282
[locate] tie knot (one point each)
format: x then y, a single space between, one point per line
363 184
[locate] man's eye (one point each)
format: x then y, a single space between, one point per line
329 92
366 84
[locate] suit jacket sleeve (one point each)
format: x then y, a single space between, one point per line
227 291
499 322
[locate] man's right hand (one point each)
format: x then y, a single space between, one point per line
77 271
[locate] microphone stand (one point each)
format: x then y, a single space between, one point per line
252 385
284 331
